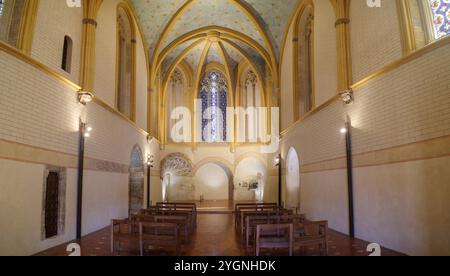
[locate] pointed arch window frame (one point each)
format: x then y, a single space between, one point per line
213 95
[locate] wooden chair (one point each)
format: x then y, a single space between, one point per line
265 237
163 235
312 233
122 233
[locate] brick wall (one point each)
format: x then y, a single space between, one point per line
48 40
375 37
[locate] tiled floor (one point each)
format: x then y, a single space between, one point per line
216 236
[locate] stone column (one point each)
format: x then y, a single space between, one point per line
342 11
87 66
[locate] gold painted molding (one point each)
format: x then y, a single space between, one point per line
224 33
412 56
116 112
418 151
38 65
73 86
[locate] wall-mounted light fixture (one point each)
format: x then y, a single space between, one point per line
344 130
85 97
150 160
347 96
87 131
277 160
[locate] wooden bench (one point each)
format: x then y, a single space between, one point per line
238 216
162 211
158 235
283 218
181 221
249 206
268 212
122 233
312 233
181 206
265 237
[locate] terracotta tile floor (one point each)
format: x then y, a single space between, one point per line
216 236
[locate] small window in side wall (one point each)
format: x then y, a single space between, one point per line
53 205
67 54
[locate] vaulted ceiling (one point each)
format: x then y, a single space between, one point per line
222 31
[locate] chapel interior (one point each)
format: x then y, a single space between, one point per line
225 127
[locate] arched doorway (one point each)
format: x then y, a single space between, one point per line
136 181
292 179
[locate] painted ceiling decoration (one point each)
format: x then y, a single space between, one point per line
245 30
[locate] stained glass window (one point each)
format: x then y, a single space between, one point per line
441 17
1 7
213 96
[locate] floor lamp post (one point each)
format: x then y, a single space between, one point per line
84 132
150 160
348 145
280 190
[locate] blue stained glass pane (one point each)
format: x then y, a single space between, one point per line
214 96
441 17
1 8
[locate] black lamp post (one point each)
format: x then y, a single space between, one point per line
149 167
280 190
84 132
348 145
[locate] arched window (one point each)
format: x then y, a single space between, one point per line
66 62
10 17
250 125
423 21
303 51
213 96
1 8
126 44
250 96
177 98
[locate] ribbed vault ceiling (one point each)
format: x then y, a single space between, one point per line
261 22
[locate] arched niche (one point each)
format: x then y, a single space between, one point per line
292 179
177 178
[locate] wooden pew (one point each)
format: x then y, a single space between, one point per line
265 212
163 211
122 233
158 234
265 237
282 218
180 206
312 233
181 221
245 209
252 206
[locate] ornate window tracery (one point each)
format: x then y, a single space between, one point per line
213 96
